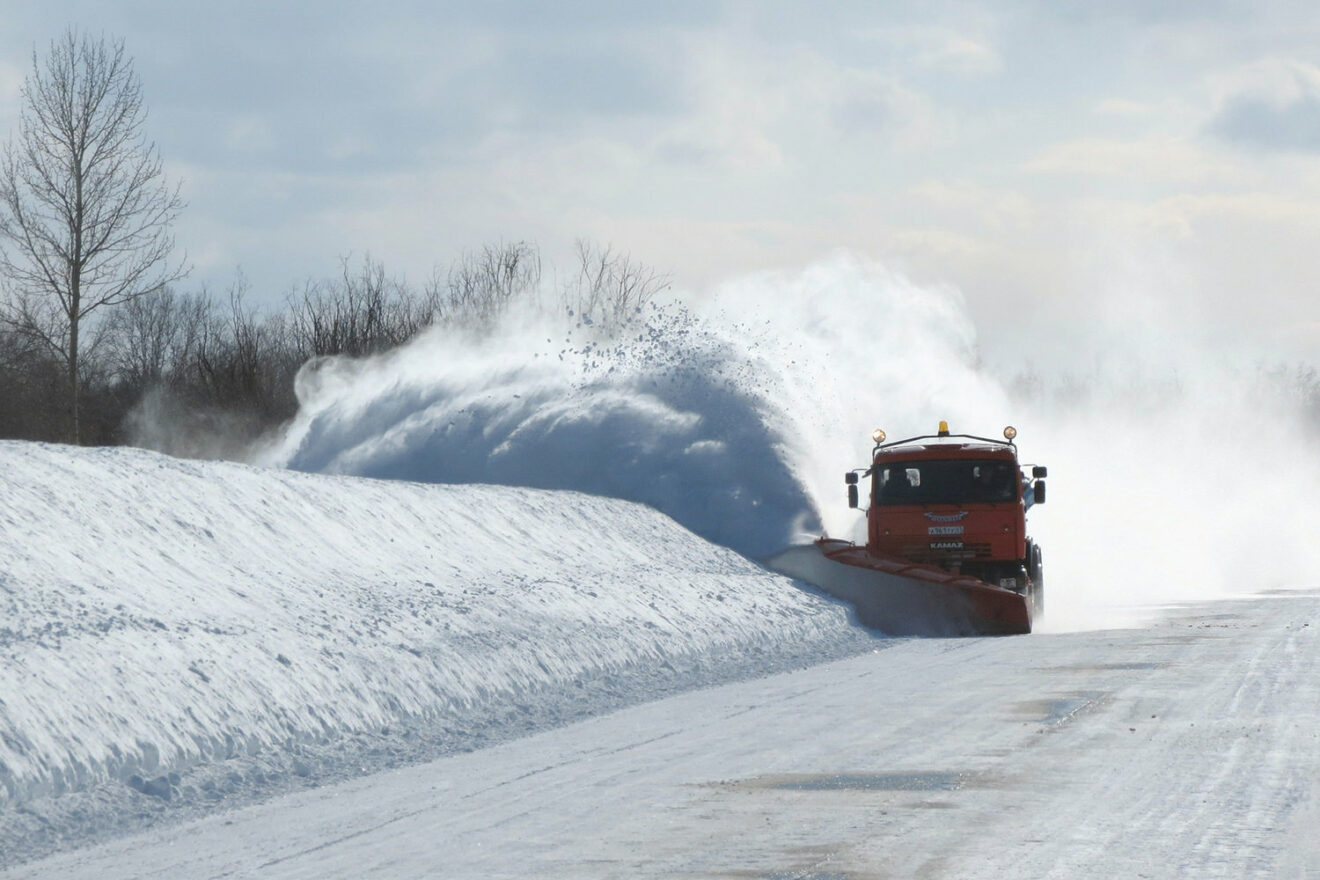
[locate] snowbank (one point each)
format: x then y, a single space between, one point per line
156 613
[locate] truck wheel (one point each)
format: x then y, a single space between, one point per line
1036 571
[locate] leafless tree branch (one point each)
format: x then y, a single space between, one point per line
85 209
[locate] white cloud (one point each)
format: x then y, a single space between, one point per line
939 49
250 135
964 203
11 81
874 104
1278 82
757 106
1256 209
1158 158
942 244
1272 104
738 98
1126 108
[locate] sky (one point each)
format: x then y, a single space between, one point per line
1060 165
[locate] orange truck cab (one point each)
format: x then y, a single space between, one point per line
957 502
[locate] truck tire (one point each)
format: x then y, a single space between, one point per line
1036 571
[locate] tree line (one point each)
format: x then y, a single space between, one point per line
214 364
95 328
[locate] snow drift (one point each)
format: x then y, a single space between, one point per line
159 613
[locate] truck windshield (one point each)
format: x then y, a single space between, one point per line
956 481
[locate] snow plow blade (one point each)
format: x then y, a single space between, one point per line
904 598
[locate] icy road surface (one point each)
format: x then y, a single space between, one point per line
1187 749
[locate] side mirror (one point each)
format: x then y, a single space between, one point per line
850 478
1038 492
1038 472
852 494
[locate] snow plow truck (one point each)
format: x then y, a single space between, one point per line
947 551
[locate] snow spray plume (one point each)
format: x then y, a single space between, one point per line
738 419
669 416
1174 477
733 419
162 422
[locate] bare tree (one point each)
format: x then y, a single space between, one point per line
482 286
85 210
357 314
29 376
144 336
610 288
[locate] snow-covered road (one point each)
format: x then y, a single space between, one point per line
1189 748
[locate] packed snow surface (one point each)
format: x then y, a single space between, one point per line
1185 749
159 613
